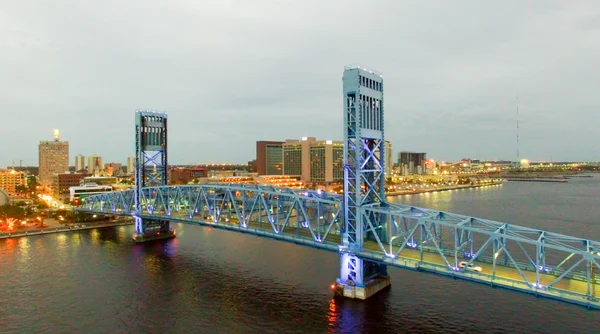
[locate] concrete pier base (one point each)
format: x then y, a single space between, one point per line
354 292
139 238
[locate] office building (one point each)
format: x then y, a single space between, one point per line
411 163
62 182
53 158
79 162
314 161
269 157
95 165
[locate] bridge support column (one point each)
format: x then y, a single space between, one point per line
152 229
360 279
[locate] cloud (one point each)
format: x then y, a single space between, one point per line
233 72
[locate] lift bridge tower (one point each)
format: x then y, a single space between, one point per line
150 171
364 181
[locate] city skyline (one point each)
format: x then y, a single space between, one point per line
450 88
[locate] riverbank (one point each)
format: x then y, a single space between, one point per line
72 228
438 189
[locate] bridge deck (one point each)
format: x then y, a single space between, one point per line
572 290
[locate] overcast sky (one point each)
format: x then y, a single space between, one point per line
230 73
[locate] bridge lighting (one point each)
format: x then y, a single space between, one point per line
469 255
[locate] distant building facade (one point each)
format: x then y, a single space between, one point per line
130 165
11 179
63 181
53 159
95 165
113 168
388 162
411 163
315 161
389 159
269 157
4 198
185 175
79 162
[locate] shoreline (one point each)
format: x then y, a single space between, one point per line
457 187
50 230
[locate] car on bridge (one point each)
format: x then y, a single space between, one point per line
469 266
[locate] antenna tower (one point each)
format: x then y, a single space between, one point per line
518 158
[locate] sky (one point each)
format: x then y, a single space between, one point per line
232 72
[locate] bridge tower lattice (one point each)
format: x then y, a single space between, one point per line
364 175
150 170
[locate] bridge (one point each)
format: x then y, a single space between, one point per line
369 233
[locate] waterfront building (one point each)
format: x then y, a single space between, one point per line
61 183
11 179
315 161
79 163
86 190
53 158
269 157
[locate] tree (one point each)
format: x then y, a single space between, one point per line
31 183
21 189
12 211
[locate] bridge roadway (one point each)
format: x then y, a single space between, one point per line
568 289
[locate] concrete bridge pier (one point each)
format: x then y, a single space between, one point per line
360 279
152 229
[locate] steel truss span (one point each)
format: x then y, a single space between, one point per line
519 258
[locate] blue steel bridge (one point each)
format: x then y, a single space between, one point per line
514 257
368 232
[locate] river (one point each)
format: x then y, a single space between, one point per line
212 281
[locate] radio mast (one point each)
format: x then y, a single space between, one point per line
518 158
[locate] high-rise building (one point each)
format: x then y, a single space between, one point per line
411 163
53 158
314 161
130 165
389 160
95 165
269 157
327 161
11 179
79 162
